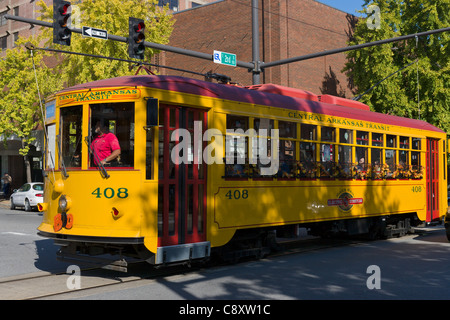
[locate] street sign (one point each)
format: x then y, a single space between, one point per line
228 59
94 33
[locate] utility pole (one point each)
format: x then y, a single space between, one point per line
255 43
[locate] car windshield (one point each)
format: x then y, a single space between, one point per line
38 187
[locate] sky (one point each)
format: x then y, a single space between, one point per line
349 6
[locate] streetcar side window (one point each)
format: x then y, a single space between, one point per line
328 134
261 146
307 165
262 124
345 158
327 151
362 153
287 150
416 143
307 152
308 132
118 119
416 167
346 136
70 130
362 138
403 154
391 141
390 160
376 156
377 139
236 147
345 154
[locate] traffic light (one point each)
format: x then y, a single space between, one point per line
136 37
62 10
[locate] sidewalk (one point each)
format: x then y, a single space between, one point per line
4 204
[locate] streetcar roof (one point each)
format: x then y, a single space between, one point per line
241 94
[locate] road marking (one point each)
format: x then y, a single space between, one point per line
16 233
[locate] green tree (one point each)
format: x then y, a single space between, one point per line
111 15
426 83
19 98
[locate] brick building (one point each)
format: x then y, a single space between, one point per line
287 29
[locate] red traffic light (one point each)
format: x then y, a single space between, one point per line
136 38
65 9
139 27
62 11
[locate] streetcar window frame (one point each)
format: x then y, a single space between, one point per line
357 154
71 131
119 117
51 146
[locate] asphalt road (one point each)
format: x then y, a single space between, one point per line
413 267
22 251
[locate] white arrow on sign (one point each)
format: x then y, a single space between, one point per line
94 33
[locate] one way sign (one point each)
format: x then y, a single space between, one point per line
94 33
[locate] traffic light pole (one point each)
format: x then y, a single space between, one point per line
355 47
147 44
256 67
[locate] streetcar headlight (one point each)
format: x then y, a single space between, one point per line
65 202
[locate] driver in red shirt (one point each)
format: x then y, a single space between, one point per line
105 145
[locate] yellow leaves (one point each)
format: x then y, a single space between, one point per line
112 15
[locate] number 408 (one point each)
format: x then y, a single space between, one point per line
110 193
237 194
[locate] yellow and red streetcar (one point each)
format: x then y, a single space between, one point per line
192 175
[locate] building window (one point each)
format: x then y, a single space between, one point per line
173 4
3 42
16 37
3 20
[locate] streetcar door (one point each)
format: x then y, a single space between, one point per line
182 176
432 179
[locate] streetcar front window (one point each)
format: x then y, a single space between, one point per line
70 130
116 119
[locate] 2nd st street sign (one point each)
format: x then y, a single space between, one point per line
225 58
94 33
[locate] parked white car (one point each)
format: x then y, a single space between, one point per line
28 196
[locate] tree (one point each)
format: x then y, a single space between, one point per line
19 99
111 15
402 94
